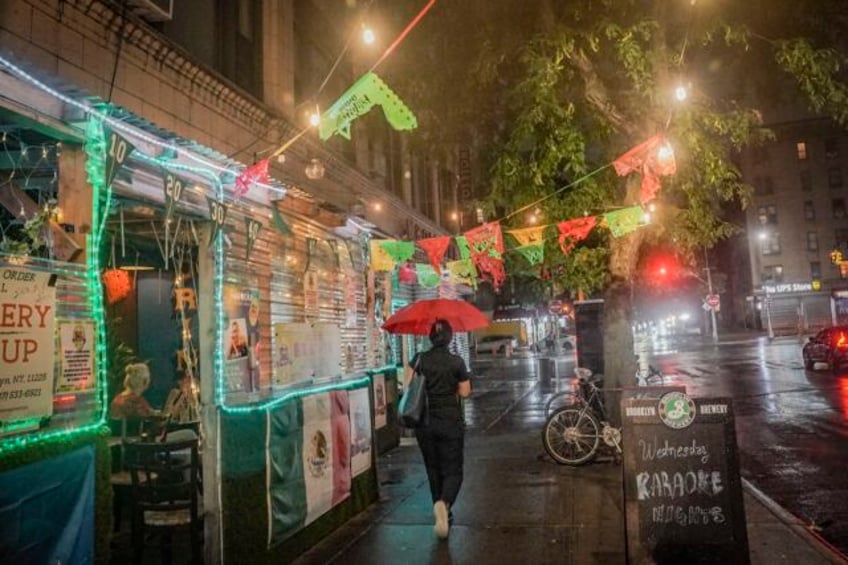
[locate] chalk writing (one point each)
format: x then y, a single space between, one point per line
687 516
678 484
655 450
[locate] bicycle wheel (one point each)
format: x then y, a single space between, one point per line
571 436
566 399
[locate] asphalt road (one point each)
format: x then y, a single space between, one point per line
791 424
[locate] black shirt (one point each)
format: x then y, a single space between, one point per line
443 371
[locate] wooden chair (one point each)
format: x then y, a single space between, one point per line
122 429
165 494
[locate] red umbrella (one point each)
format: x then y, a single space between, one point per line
418 317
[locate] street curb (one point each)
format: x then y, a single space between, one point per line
822 546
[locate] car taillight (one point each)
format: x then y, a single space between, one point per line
842 342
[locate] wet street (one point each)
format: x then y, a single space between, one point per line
792 424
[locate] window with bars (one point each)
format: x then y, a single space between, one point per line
770 243
767 215
806 181
838 206
834 177
831 148
772 274
809 211
812 241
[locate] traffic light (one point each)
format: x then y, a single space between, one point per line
660 269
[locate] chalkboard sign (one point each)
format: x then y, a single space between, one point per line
682 490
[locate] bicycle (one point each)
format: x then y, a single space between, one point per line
644 377
572 434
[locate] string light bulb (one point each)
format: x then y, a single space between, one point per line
368 36
315 119
665 153
680 93
378 207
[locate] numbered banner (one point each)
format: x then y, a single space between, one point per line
118 150
27 343
311 303
218 215
252 227
174 187
76 356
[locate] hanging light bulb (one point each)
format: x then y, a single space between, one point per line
314 170
368 36
378 206
315 119
665 153
681 93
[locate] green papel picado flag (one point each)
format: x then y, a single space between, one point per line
368 91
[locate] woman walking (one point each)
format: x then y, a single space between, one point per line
441 437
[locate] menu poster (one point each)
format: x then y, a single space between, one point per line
27 343
303 351
360 431
241 337
76 356
379 400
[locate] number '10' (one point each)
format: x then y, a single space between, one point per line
117 148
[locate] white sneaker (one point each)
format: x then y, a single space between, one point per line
442 527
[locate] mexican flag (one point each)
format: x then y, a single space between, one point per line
307 461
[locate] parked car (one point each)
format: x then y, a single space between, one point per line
828 346
496 344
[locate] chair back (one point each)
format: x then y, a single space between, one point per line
165 476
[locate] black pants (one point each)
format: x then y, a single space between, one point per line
441 442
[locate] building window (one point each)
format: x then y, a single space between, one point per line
767 215
834 177
763 185
815 270
806 181
812 241
760 155
838 205
770 243
773 274
831 148
841 239
801 149
809 211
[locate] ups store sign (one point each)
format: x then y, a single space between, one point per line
787 288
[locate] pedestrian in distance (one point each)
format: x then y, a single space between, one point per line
441 437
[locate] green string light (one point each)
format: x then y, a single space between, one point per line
95 150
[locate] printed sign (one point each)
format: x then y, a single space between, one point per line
379 400
360 431
27 343
683 493
241 337
76 356
304 351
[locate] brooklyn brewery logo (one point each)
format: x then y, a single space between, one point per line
676 410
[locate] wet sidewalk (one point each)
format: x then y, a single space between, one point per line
517 506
